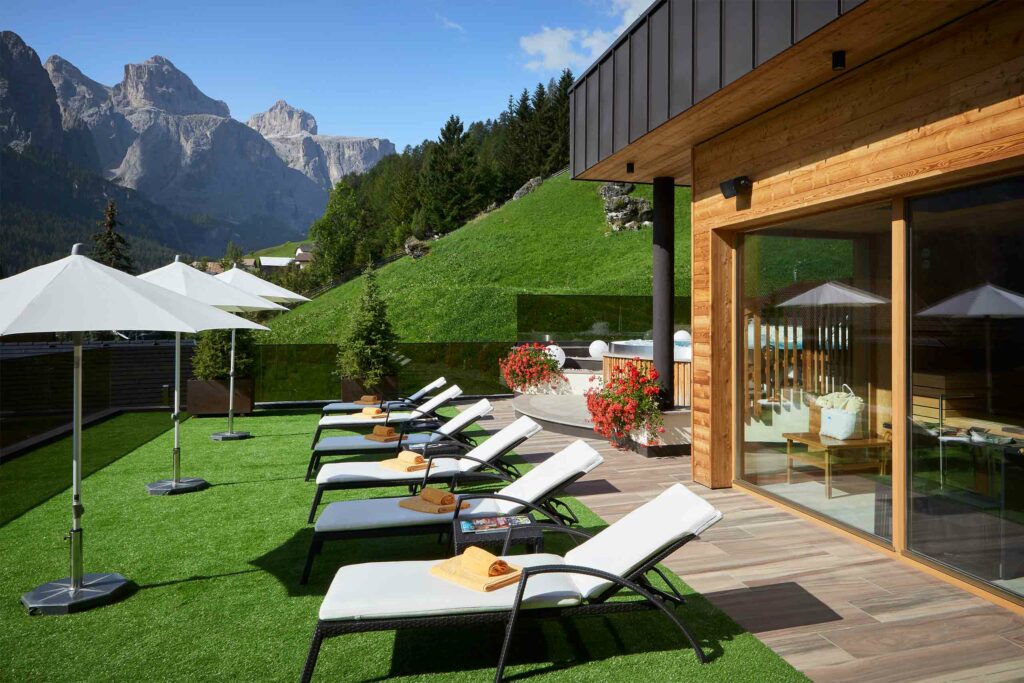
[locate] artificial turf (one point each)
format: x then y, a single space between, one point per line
218 597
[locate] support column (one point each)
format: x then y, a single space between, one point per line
663 301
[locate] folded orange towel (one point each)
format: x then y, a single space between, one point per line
399 466
459 571
384 439
410 457
381 430
437 496
478 561
372 412
419 505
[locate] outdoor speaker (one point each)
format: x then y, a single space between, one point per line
734 186
839 60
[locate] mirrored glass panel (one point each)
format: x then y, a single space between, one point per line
815 357
966 468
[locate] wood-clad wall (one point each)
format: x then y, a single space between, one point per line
944 109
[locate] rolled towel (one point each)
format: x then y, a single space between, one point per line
369 398
381 430
410 458
372 412
437 496
482 563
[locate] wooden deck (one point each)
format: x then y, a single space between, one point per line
833 608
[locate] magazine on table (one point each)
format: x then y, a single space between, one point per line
470 526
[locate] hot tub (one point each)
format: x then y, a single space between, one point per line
644 348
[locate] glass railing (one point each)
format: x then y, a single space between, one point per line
585 318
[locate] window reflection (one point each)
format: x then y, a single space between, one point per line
816 360
966 469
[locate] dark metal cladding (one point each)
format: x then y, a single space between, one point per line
676 54
607 79
738 39
658 65
638 83
593 112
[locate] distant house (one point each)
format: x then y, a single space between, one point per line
212 267
305 253
249 262
268 263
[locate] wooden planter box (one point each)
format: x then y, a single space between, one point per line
353 390
210 396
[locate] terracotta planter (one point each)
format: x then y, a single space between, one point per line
210 396
353 390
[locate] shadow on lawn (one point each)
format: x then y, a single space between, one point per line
33 478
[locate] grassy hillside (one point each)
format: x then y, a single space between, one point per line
552 241
286 249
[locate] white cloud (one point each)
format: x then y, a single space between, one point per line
449 24
553 49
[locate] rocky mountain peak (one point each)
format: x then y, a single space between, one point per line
283 119
157 84
28 109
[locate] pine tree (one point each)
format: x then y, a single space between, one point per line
111 248
367 351
448 182
232 254
538 133
337 232
558 149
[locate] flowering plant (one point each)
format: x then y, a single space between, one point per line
627 403
529 367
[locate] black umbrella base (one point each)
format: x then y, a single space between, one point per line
57 597
230 436
168 487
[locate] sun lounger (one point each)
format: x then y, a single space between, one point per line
447 438
411 401
425 414
378 517
385 596
483 463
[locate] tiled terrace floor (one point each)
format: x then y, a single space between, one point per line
835 609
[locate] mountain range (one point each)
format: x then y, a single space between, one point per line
186 175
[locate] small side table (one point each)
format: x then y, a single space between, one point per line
531 536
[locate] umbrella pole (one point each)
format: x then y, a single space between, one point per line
231 387
231 434
176 484
75 535
988 364
80 591
175 409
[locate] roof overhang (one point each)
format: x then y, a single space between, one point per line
620 132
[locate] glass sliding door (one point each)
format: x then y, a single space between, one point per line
965 465
815 362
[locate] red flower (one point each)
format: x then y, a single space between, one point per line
626 403
529 366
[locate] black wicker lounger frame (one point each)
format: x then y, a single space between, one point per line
636 581
557 511
448 443
499 471
429 419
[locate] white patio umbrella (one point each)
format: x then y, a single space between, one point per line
75 294
256 286
987 301
834 294
188 281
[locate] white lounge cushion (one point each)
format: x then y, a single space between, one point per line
381 590
634 539
360 444
466 417
436 384
488 451
577 457
381 513
449 394
499 443
385 513
350 472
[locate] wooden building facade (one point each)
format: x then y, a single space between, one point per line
856 166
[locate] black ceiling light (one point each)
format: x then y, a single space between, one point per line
839 60
629 167
734 186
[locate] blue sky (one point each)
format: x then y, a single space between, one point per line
392 68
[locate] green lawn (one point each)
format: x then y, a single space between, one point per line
552 241
218 597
